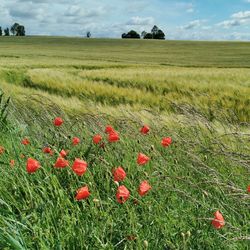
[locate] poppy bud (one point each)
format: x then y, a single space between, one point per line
142 159
25 141
145 129
48 150
12 163
113 137
122 194
58 121
2 149
75 140
32 165
119 174
218 221
144 188
97 139
82 193
61 163
63 153
166 141
79 167
109 129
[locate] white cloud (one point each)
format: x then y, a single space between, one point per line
141 21
237 19
241 15
193 24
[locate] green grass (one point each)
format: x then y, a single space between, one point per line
195 92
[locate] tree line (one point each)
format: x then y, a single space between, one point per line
155 33
16 30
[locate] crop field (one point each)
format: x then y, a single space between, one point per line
196 93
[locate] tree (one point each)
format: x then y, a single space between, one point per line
154 30
124 35
1 32
148 36
159 35
13 28
17 30
88 35
7 32
20 30
131 34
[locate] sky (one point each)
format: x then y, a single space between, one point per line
180 20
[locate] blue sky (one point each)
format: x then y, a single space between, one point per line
188 20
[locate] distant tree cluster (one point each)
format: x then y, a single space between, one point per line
131 34
155 33
16 30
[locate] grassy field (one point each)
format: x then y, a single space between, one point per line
196 92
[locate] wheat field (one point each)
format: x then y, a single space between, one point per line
197 93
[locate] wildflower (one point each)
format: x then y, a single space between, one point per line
144 188
97 139
218 221
166 141
2 149
248 189
142 159
25 141
48 150
58 121
113 137
12 163
61 163
79 167
122 194
145 129
63 153
119 174
75 140
82 193
109 129
32 165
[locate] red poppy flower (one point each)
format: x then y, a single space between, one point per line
61 163
2 149
79 167
113 137
122 194
75 140
109 129
97 139
25 141
82 193
32 165
63 153
12 163
166 141
218 221
119 174
145 129
58 121
248 189
48 150
144 188
142 159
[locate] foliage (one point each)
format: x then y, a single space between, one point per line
17 30
6 32
131 34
